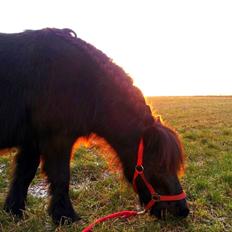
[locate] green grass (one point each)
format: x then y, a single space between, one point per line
205 125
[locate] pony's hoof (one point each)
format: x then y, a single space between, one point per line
60 217
65 220
13 210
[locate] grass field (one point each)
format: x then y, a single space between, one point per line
205 125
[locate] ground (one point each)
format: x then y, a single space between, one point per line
205 125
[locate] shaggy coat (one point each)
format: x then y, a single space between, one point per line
54 88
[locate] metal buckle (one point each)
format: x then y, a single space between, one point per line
155 197
142 212
139 169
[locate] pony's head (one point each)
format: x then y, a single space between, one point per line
163 162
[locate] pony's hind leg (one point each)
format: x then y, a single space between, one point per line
26 163
56 165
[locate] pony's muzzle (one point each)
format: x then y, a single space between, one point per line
184 212
176 208
179 209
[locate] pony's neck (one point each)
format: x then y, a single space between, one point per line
126 151
128 158
125 142
121 114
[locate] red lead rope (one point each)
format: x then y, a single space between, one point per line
121 214
155 197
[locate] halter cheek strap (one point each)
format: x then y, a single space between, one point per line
155 197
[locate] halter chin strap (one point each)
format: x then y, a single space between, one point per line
155 197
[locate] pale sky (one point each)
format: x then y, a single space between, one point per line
169 47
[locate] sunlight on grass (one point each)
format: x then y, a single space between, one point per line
204 124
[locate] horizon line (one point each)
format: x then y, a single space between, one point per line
200 95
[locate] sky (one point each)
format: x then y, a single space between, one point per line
169 47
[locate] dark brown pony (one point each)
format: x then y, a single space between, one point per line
55 88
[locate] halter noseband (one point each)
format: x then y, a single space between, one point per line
155 197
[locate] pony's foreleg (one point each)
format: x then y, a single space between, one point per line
56 165
26 163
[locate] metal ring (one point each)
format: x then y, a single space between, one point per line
139 168
155 197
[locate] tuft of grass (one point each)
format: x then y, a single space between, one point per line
205 126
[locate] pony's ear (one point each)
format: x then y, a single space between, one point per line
158 118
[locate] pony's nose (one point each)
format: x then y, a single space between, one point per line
184 212
181 209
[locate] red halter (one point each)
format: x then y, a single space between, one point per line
155 197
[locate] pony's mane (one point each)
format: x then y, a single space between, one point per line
165 144
134 97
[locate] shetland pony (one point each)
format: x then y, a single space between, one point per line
55 88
